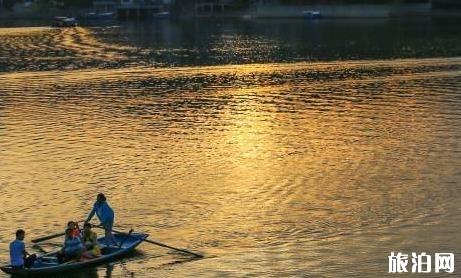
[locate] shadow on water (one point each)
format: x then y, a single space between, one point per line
89 273
104 270
107 270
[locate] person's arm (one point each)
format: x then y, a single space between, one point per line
81 243
80 233
95 239
24 252
93 211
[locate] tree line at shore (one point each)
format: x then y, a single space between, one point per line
9 4
181 4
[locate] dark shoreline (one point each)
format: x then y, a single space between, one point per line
49 14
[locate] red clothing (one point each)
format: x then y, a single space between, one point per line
75 232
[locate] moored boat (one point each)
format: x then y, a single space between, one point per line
48 264
64 21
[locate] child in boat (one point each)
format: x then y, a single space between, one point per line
19 257
90 242
74 227
73 247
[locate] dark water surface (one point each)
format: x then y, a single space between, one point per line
275 148
212 42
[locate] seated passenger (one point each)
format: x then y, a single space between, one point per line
20 258
74 227
90 242
73 247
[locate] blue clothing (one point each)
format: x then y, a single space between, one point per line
108 225
73 246
17 249
104 213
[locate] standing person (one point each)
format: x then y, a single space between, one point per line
19 257
106 215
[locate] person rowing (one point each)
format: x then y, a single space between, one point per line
105 215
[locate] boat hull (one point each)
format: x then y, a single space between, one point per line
49 265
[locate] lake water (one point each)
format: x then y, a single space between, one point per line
274 148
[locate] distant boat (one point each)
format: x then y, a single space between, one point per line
48 264
64 21
312 14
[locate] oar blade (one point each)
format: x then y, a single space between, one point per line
157 243
37 240
173 248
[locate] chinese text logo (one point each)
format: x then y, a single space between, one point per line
421 263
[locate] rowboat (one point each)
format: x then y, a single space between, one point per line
48 263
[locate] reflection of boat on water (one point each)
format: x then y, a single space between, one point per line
99 16
312 14
64 21
161 15
48 264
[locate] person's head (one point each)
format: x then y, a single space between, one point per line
71 225
101 198
69 232
87 227
20 234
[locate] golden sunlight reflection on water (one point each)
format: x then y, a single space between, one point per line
303 169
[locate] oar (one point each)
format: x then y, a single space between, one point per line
37 240
173 248
39 248
40 239
157 243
